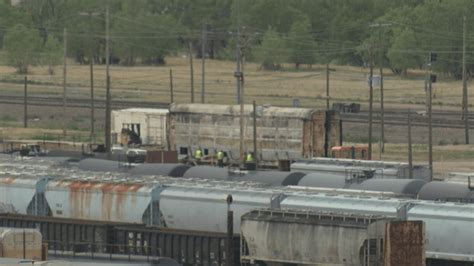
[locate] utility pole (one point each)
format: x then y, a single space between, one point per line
25 103
255 157
230 232
327 86
91 67
430 126
171 86
382 111
191 68
430 118
240 87
464 84
410 147
238 71
203 61
371 100
64 78
108 126
242 123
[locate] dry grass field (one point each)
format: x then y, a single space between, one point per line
144 83
151 84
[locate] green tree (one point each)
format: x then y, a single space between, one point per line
271 52
23 47
301 45
146 36
402 54
9 17
52 53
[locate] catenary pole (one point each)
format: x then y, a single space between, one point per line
465 102
371 101
203 62
108 126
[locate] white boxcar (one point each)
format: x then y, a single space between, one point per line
150 124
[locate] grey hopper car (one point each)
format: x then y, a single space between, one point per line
173 170
101 165
444 191
361 168
200 205
207 172
274 178
325 180
409 187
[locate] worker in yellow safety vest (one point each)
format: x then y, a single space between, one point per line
249 158
220 159
198 154
249 163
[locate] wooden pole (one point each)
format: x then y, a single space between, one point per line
371 101
108 109
430 126
382 110
327 87
410 147
242 123
255 156
464 85
203 62
64 79
230 232
238 71
91 66
25 103
191 68
171 86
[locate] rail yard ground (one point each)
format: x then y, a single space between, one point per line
143 84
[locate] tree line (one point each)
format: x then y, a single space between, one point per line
398 34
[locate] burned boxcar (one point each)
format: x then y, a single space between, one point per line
281 133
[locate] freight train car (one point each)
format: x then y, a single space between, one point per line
150 125
361 168
281 133
201 205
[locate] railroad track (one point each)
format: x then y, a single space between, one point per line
395 117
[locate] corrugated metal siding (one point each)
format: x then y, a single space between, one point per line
282 133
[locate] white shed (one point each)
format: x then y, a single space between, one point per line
150 124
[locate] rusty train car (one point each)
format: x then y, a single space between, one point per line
282 133
36 187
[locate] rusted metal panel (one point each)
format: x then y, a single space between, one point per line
333 128
101 201
319 133
282 133
404 243
161 156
